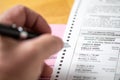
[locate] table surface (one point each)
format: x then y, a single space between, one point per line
54 11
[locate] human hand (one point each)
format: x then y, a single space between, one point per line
23 60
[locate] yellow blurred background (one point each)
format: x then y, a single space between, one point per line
54 11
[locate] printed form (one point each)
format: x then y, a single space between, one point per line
93 36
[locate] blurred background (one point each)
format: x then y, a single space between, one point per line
54 11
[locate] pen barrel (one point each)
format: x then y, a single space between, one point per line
16 33
8 31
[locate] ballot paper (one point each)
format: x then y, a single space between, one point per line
93 33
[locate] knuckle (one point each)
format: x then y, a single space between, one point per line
18 9
20 6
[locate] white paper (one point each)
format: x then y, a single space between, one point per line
93 33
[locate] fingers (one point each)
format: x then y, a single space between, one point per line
23 16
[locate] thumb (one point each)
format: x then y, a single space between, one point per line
43 46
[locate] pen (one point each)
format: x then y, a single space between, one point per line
16 32
19 33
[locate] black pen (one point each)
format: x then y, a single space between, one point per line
16 32
19 33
